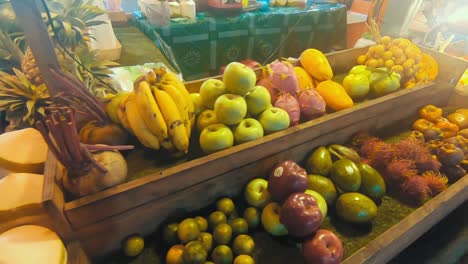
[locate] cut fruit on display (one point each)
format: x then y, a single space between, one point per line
23 151
18 189
31 244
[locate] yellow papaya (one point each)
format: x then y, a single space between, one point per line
335 95
304 79
316 64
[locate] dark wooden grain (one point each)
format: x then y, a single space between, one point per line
76 254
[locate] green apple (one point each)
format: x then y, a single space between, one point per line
271 220
247 130
238 78
256 193
274 119
206 118
210 90
216 137
357 86
197 101
360 69
322 204
258 100
230 109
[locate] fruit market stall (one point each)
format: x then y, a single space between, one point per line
362 148
202 47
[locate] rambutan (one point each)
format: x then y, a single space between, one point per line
368 146
382 155
436 182
416 190
410 149
427 163
399 171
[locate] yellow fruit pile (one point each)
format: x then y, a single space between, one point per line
159 112
402 56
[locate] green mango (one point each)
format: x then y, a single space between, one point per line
372 183
355 208
324 186
319 162
346 176
342 152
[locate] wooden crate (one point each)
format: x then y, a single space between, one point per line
102 220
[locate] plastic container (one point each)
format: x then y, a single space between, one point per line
188 9
158 13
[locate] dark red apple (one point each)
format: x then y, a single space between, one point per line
250 63
300 214
323 248
285 179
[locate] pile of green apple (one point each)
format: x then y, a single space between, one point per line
362 81
220 238
290 208
234 110
346 182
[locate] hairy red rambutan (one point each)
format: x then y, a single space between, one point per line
436 181
416 190
410 149
427 163
382 155
368 146
399 171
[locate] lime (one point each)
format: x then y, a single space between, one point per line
207 240
222 234
170 235
239 226
252 216
175 255
244 259
133 245
202 223
194 253
188 230
243 245
222 254
215 218
225 205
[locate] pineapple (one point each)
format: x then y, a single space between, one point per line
70 18
23 101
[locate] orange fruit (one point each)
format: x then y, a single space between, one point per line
175 255
133 245
225 205
244 259
222 234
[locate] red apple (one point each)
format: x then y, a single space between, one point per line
250 63
285 179
323 248
301 214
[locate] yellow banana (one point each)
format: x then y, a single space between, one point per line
121 109
113 105
173 120
149 111
138 125
180 85
181 103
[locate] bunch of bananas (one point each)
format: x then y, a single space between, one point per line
159 111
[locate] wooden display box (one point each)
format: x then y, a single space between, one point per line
102 220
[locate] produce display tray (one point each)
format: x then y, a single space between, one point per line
102 220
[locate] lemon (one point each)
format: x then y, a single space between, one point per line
202 223
188 230
133 245
244 259
207 240
170 235
239 226
225 205
252 216
222 234
216 218
243 245
194 253
222 254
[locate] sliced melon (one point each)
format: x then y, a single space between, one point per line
18 189
23 150
31 244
